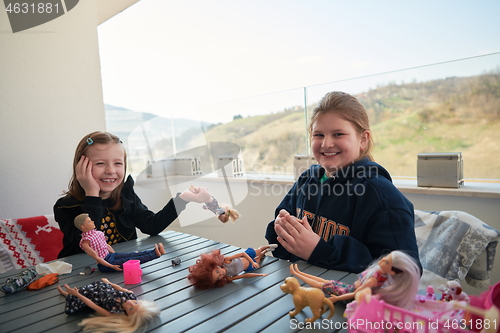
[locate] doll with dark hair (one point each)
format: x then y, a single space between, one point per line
393 277
215 270
118 308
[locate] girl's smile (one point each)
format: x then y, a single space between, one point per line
108 166
335 142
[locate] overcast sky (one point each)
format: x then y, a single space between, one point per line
166 56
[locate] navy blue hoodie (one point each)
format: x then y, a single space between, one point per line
359 214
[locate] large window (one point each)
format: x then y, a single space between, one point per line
440 106
446 107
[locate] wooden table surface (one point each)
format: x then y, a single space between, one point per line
246 305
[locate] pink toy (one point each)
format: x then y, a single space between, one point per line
132 272
376 316
488 301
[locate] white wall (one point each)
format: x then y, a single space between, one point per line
50 97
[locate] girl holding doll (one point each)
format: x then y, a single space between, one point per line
99 188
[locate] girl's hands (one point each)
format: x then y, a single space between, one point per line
197 194
295 235
83 172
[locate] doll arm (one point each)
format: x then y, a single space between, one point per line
369 283
87 302
246 275
86 247
115 286
110 249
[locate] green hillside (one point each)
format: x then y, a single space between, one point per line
448 115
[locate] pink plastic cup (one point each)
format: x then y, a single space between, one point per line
132 272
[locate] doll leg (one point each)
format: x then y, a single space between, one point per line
161 249
121 258
260 253
313 281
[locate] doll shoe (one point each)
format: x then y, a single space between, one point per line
20 281
272 247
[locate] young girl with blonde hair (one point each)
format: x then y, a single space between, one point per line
343 212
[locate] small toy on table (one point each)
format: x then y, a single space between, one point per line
455 291
93 242
117 307
393 277
303 296
213 269
223 212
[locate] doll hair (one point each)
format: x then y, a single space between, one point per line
80 220
200 274
350 109
232 214
122 323
74 188
400 289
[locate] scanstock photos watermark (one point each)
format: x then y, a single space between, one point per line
24 15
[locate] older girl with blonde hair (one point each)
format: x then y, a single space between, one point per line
343 212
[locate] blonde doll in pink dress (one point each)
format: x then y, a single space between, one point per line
394 277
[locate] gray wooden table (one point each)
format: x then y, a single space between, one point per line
246 305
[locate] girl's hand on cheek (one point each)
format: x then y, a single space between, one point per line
297 237
83 172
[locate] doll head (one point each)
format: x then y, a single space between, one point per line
123 323
402 285
84 223
91 143
231 214
200 274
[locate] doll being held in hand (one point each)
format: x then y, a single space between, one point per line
119 309
224 212
394 278
215 270
94 244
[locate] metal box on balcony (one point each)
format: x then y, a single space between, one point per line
440 170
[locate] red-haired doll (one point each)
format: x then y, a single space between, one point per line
215 270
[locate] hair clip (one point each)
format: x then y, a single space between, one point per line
90 141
